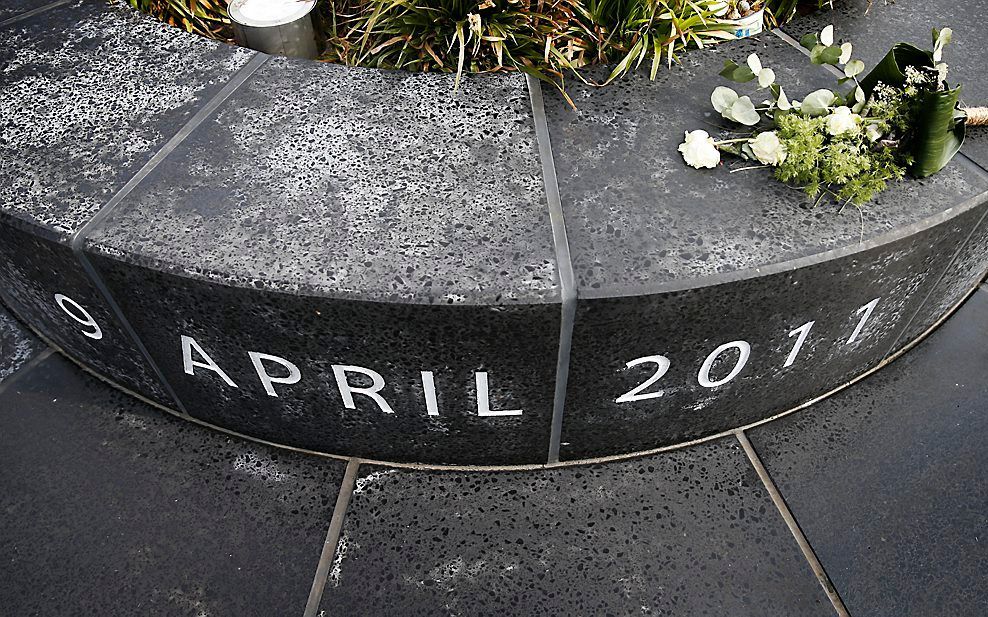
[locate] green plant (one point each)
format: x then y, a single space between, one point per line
629 32
204 17
445 35
548 39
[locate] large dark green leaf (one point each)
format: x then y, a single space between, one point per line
939 126
892 69
939 133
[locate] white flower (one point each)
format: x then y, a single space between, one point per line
845 53
944 37
842 120
699 150
768 148
766 77
941 71
827 35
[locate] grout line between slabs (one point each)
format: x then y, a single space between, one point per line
78 239
33 12
25 368
332 538
929 294
564 263
804 545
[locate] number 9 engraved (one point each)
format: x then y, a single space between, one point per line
86 320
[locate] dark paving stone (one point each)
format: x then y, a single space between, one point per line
687 533
17 344
382 222
675 262
88 93
638 217
887 478
12 8
113 508
515 345
873 27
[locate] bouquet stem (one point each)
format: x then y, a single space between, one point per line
977 116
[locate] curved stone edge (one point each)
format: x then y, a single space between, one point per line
568 463
132 364
699 361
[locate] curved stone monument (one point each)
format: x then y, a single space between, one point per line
361 262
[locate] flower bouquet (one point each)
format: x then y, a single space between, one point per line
900 118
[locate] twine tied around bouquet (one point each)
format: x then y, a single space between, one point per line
976 116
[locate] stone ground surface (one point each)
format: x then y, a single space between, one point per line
111 507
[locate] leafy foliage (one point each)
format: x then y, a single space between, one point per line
844 166
902 116
544 38
204 17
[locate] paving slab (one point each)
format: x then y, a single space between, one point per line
886 479
12 8
90 91
691 532
639 218
113 508
17 344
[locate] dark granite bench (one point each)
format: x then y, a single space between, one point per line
358 262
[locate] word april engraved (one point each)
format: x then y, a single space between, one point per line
194 356
274 370
662 363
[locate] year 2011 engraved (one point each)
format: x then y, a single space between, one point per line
642 391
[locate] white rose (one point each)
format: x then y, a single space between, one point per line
768 148
699 150
842 120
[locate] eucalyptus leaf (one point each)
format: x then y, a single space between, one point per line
739 74
854 67
817 102
743 111
722 98
845 53
824 54
809 41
